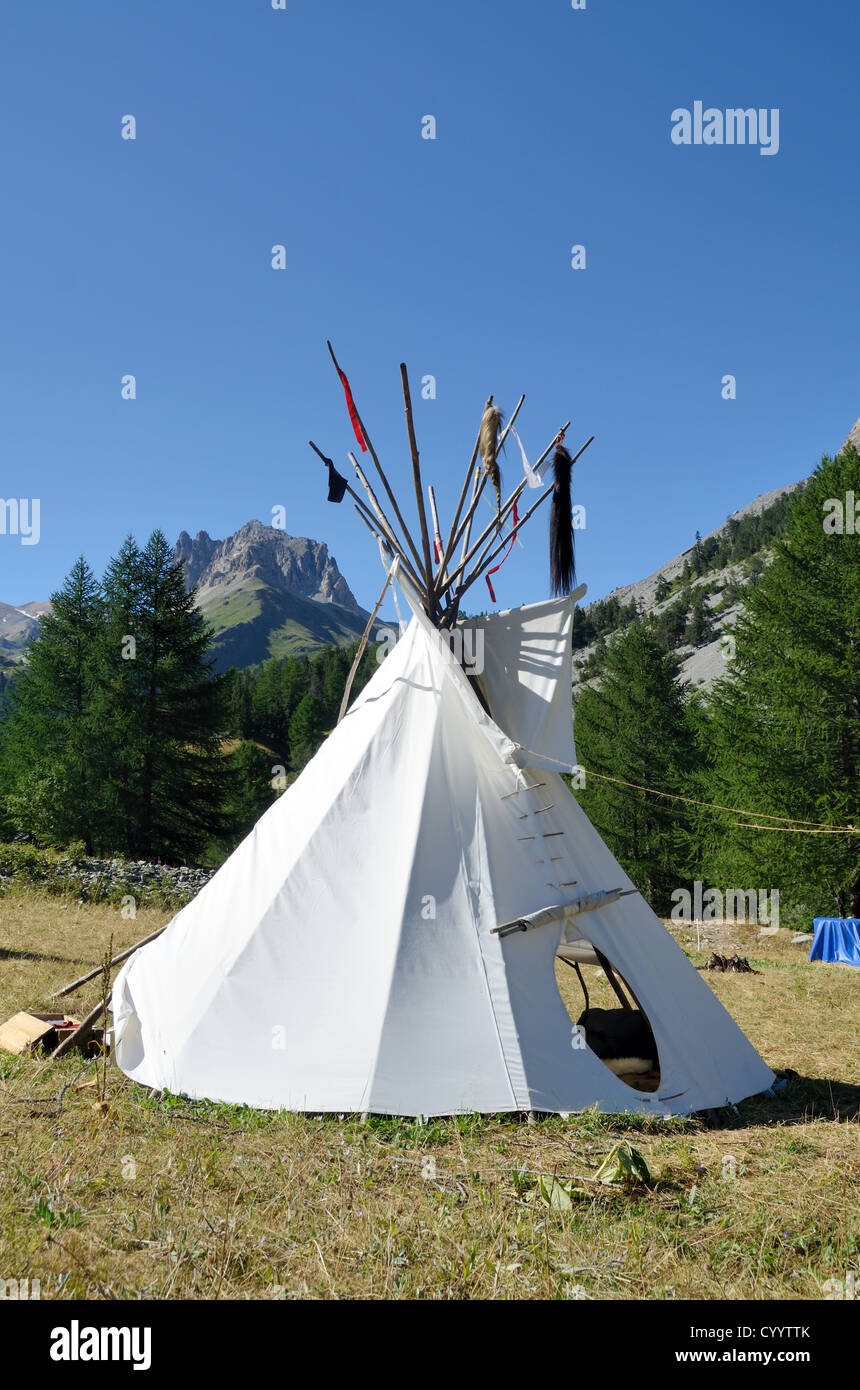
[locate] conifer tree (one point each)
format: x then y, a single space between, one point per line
162 707
632 726
51 748
785 721
698 629
251 789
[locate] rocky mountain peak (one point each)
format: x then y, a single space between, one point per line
292 563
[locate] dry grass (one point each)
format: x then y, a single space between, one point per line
167 1198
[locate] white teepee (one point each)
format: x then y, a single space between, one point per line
347 957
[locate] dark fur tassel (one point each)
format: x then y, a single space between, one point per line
562 569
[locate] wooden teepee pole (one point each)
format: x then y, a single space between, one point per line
91 975
82 1031
466 524
451 541
392 543
416 478
385 524
360 506
381 540
392 499
362 647
507 507
486 559
478 485
437 538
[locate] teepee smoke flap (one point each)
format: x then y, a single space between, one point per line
562 570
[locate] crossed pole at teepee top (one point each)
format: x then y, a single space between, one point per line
440 589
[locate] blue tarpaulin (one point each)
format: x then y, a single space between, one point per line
837 939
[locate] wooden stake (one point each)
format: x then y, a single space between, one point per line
416 478
362 647
392 499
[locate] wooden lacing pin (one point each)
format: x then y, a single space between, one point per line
523 789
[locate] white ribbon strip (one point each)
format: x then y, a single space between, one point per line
531 475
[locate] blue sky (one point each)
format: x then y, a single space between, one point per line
302 127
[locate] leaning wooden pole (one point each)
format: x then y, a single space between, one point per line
437 538
485 560
392 499
91 975
451 541
384 522
509 506
83 1030
466 524
363 509
416 478
362 646
377 535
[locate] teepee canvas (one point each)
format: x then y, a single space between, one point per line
385 939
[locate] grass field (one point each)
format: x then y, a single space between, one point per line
159 1197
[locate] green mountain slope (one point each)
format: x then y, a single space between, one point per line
254 621
267 594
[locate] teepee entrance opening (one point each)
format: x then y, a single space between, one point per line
608 1016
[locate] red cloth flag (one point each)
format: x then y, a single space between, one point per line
353 413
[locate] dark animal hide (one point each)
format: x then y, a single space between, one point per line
620 1036
562 569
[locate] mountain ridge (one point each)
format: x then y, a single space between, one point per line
642 588
688 582
264 592
267 593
